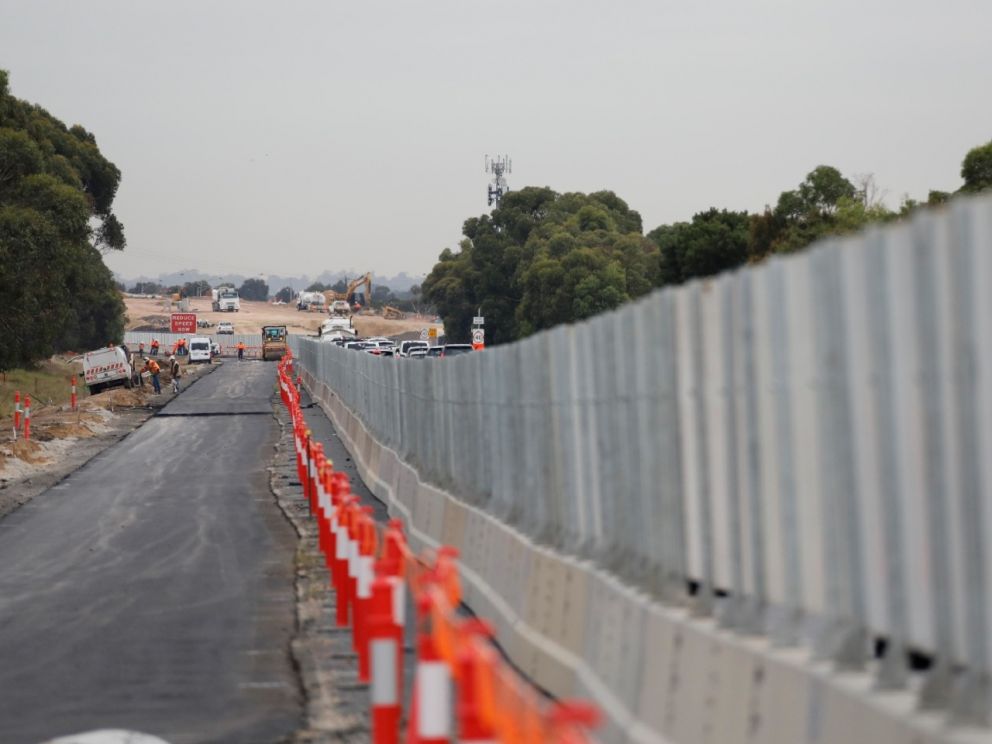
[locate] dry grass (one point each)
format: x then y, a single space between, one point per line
47 384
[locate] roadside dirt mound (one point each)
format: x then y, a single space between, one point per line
29 451
117 398
61 431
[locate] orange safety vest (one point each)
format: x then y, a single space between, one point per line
241 345
153 367
182 342
155 344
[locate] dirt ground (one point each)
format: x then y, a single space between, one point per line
253 315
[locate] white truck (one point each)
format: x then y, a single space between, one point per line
313 301
225 299
340 309
106 368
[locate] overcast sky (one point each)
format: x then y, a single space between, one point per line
293 137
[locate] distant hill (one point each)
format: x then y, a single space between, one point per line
399 284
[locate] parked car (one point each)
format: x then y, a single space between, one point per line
435 351
417 353
449 350
225 326
407 346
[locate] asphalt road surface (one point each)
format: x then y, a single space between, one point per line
152 590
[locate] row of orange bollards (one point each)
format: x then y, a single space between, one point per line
459 675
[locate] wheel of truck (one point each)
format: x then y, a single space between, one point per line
95 388
129 383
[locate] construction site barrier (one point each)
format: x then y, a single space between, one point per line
228 343
460 675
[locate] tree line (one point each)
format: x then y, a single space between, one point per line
541 258
56 218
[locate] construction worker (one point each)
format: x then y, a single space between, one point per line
175 371
182 347
154 347
241 350
151 366
141 348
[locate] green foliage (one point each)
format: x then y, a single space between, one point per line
316 287
976 169
715 240
55 291
254 289
540 259
285 294
199 288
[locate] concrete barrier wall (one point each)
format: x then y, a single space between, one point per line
804 446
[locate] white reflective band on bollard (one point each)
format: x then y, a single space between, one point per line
399 600
341 542
433 700
384 686
365 575
352 558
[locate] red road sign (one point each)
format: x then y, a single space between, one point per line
183 323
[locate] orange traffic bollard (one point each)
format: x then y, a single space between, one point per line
430 719
27 416
72 396
385 637
472 726
17 412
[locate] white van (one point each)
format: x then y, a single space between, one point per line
105 368
199 349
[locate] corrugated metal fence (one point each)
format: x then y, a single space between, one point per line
802 449
228 343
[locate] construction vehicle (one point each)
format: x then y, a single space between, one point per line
310 301
339 309
225 300
274 344
392 313
362 285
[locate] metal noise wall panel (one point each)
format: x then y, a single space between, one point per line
644 439
670 425
692 440
865 292
907 430
950 293
590 524
750 581
975 272
801 391
716 499
766 347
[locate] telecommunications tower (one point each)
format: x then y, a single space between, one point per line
498 166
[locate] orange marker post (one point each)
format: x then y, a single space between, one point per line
27 416
17 412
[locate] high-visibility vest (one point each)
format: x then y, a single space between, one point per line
153 367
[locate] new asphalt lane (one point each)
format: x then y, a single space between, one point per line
152 589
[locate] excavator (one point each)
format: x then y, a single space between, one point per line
353 288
